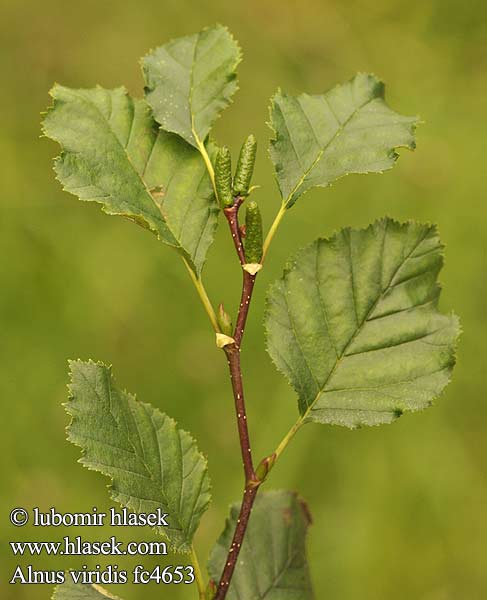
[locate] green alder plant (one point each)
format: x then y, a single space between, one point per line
353 323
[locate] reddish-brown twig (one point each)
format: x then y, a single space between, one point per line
232 351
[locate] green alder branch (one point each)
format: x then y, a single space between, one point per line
161 170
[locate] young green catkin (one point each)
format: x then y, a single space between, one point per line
245 167
253 241
223 177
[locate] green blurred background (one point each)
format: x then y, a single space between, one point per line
400 511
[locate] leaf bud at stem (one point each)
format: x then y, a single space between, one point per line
265 467
245 167
223 177
253 234
224 320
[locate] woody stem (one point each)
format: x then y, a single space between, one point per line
232 352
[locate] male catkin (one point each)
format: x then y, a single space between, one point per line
223 177
253 233
245 167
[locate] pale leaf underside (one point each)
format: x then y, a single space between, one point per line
354 324
272 563
114 153
152 463
319 139
190 80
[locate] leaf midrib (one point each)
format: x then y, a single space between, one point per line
150 473
191 89
138 175
359 328
124 147
281 570
339 130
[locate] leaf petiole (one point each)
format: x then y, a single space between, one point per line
200 288
288 437
198 574
273 229
206 158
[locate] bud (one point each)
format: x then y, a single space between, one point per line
245 167
265 467
223 177
224 320
210 590
253 241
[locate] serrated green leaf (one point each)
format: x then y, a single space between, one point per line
319 139
151 462
354 324
272 561
72 591
191 80
114 153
